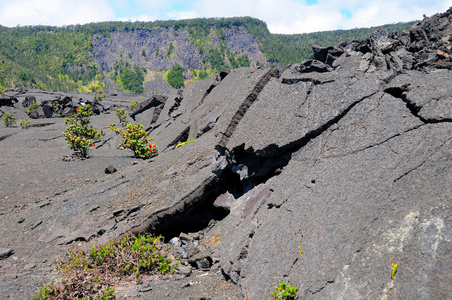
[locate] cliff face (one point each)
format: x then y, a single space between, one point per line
156 42
322 175
158 50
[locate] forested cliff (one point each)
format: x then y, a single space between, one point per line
150 57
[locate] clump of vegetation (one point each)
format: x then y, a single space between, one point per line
241 61
90 274
24 124
99 94
175 76
203 74
216 59
121 113
129 78
134 104
133 137
32 108
170 50
79 134
284 292
393 270
2 91
9 119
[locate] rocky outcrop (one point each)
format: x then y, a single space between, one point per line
8 101
321 175
156 103
426 46
58 104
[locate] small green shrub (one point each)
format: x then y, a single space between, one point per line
142 253
9 119
56 109
32 108
45 292
284 292
133 137
24 124
99 94
134 104
108 294
79 134
2 91
90 274
121 113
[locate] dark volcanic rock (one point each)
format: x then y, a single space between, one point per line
155 101
8 101
48 109
313 66
428 96
322 175
5 252
28 100
110 169
362 181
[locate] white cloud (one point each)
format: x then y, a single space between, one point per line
53 12
180 15
144 18
376 12
292 16
281 16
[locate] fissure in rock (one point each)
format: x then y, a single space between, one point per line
400 93
177 102
182 137
191 214
197 210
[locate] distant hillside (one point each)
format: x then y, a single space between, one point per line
150 57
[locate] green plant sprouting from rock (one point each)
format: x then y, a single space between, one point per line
79 134
99 94
133 137
122 115
9 119
393 270
24 124
284 292
90 274
182 144
32 108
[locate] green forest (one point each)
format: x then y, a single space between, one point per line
61 58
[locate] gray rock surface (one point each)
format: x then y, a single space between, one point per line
321 178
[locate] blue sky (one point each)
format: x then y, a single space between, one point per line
281 16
